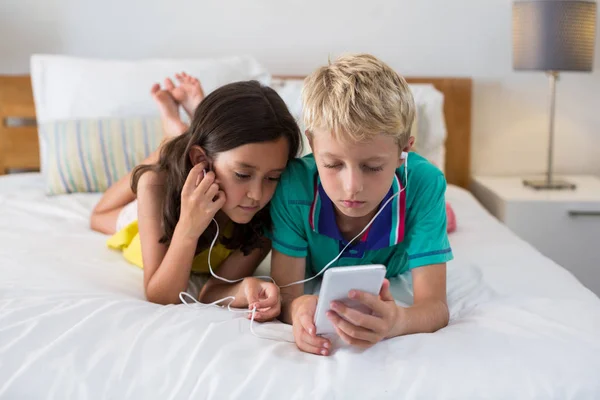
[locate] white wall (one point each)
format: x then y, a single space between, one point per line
424 37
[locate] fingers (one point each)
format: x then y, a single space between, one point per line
307 337
211 192
206 183
305 333
266 309
307 324
251 288
271 292
309 334
352 341
267 303
312 344
358 318
267 314
253 302
190 183
213 204
314 340
385 293
306 346
219 199
370 300
355 334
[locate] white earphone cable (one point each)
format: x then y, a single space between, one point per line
210 266
184 295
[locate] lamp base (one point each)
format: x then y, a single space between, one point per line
543 184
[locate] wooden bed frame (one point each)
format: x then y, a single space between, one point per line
19 141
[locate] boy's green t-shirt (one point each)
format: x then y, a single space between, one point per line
409 233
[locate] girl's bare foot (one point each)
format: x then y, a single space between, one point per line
169 112
189 93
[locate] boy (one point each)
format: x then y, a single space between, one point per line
358 113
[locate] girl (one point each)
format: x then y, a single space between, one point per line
225 166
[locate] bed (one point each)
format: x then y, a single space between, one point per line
74 322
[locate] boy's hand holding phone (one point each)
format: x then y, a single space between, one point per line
364 330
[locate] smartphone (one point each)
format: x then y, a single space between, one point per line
338 282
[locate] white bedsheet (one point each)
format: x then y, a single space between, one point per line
74 324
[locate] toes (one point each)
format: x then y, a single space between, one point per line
161 96
169 84
154 89
188 78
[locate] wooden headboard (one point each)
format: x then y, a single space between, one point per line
457 112
19 142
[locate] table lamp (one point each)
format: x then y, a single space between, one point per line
553 36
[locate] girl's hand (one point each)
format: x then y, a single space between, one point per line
364 330
305 332
264 296
200 201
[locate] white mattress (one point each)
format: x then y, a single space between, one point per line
74 324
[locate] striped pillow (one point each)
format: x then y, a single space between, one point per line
91 155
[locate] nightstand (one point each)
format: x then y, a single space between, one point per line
563 225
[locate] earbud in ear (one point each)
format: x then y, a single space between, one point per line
403 155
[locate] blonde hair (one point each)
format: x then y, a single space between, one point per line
357 97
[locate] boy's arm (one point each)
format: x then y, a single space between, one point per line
429 311
428 251
285 270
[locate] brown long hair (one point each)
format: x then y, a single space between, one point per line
233 115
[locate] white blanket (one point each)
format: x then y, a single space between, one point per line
74 324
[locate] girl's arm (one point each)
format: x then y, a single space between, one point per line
167 268
150 202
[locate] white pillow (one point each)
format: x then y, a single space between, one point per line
68 88
290 91
430 132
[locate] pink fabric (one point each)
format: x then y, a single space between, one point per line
450 218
